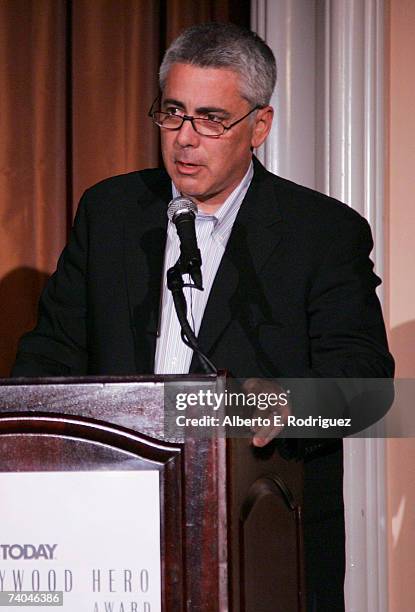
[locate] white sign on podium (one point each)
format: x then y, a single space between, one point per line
95 536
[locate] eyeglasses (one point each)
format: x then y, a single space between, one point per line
213 128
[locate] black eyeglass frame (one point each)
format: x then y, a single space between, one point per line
190 118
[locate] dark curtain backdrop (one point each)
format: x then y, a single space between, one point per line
76 80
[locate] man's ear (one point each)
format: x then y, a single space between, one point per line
262 126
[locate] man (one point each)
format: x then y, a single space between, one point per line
289 287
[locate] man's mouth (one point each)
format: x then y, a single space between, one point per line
186 167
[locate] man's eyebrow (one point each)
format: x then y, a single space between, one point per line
202 110
206 110
173 102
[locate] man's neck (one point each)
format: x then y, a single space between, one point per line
211 205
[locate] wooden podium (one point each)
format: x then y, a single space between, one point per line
231 532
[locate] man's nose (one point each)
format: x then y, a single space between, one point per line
187 135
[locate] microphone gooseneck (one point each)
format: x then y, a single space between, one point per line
182 212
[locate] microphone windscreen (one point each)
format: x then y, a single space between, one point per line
180 205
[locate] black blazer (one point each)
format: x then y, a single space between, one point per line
294 295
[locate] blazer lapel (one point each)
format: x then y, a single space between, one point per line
254 237
145 226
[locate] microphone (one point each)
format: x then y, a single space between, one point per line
182 212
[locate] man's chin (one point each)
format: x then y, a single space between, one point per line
188 186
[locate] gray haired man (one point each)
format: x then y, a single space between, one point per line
289 287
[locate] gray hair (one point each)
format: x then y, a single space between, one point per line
225 45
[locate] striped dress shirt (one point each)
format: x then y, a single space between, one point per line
212 232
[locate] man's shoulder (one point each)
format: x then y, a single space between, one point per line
132 186
300 204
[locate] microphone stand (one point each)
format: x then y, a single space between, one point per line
175 284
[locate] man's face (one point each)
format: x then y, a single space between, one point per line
203 168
